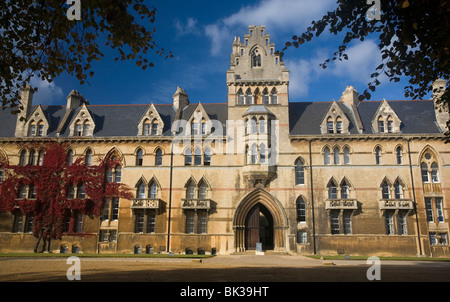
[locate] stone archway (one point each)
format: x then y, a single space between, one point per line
259 202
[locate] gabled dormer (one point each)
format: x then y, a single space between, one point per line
385 119
199 121
37 123
151 123
82 123
334 121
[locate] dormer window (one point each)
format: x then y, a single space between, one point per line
146 129
330 125
380 124
155 127
40 128
339 125
32 130
78 128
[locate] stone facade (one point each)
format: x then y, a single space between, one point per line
345 177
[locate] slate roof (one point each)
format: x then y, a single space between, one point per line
417 117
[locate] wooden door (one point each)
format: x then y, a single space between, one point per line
252 228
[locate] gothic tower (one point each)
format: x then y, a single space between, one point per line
258 96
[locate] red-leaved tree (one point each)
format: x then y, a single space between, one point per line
52 183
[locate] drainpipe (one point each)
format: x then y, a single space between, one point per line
312 198
414 199
170 197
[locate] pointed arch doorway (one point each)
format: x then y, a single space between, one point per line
259 217
259 228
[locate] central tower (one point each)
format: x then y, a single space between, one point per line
258 85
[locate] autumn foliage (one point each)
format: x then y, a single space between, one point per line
52 202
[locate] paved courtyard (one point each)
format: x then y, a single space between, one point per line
234 268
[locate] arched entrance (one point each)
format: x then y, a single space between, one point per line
259 217
259 228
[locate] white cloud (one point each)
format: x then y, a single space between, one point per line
190 27
363 58
292 16
48 92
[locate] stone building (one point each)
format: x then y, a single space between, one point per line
258 171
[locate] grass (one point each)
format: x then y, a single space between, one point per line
65 255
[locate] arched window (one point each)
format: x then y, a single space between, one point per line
385 190
188 157
398 190
299 172
40 157
78 128
262 125
32 129
140 190
40 128
336 156
390 124
194 127
153 190
203 130
330 125
69 157
434 172
339 125
197 157
146 129
240 97
326 156
207 157
424 172
301 209
345 192
158 157
86 128
139 157
23 158
202 190
118 174
190 190
399 155
262 154
88 157
254 154
248 97
32 158
378 156
266 99
274 96
155 127
346 156
256 58
380 124
332 190
254 125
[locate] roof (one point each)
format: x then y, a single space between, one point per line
418 117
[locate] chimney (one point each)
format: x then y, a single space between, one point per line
440 108
26 100
350 96
180 99
75 99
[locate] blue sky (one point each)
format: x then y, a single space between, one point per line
200 34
